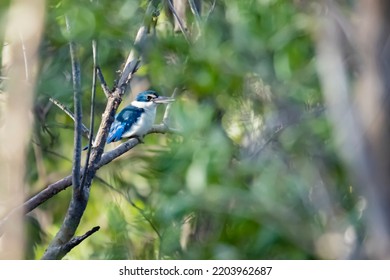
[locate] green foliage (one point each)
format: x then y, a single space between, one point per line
253 175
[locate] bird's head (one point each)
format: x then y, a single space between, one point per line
150 96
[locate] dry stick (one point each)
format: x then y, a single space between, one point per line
103 84
76 79
84 129
92 119
196 13
211 10
76 241
181 25
168 108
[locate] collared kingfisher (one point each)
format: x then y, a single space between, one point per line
138 118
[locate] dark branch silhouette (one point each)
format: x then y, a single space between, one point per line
76 240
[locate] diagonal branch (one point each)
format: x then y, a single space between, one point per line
129 69
76 79
179 20
84 129
103 83
66 248
92 119
78 239
133 59
195 10
211 10
167 112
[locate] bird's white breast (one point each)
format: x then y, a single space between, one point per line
145 121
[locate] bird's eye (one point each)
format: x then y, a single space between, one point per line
149 97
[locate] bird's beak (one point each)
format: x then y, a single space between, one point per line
163 100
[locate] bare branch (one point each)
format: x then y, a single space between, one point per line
92 118
163 129
168 108
103 83
76 78
211 10
78 239
196 11
128 71
84 129
74 242
179 20
133 60
141 35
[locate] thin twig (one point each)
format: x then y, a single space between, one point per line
92 117
103 83
128 71
54 153
196 12
211 10
62 107
168 108
181 25
76 78
139 38
76 240
84 129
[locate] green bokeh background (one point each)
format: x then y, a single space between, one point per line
254 173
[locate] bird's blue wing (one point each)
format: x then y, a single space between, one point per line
123 122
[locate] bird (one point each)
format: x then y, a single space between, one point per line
136 119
